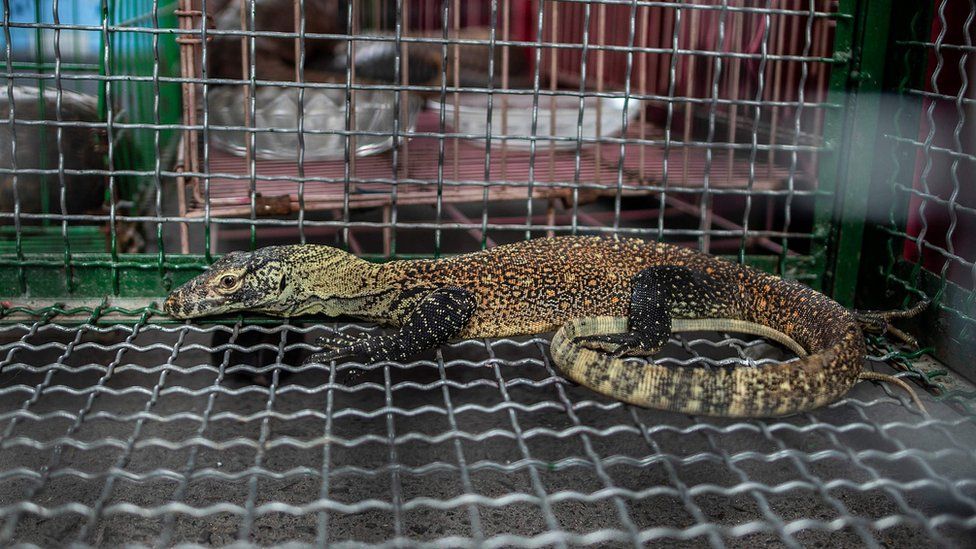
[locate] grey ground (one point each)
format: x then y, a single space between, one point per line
493 445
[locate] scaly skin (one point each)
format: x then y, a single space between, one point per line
581 286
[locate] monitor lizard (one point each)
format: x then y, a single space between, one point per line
610 301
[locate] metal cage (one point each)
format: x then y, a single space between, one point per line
828 141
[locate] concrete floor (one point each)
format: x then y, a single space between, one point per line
153 438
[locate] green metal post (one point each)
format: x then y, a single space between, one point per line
895 161
829 180
852 159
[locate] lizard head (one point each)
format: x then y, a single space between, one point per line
237 281
274 280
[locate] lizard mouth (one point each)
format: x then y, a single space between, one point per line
177 308
181 304
190 301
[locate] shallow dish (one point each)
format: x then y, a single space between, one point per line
277 109
515 112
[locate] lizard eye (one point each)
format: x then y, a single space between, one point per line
228 281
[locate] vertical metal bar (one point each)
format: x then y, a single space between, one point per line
300 78
732 84
776 91
395 483
322 524
506 36
349 142
456 68
158 154
694 24
249 71
669 120
493 26
574 223
42 109
110 138
14 179
601 40
822 70
404 81
797 121
625 115
705 206
441 128
553 83
187 53
205 131
397 106
845 169
534 131
59 141
642 86
756 116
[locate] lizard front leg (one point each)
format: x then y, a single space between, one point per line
656 292
438 318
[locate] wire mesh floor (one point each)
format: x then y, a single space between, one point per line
186 434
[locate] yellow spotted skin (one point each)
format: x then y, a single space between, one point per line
577 286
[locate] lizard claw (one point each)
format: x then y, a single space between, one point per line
325 357
320 358
335 346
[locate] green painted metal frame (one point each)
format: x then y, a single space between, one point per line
127 53
861 42
906 69
885 278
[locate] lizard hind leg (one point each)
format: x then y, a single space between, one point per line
880 322
656 292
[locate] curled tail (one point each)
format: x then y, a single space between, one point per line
749 302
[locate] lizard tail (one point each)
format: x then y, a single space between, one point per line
809 322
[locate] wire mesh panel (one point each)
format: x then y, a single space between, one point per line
170 132
924 234
155 435
407 128
509 119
